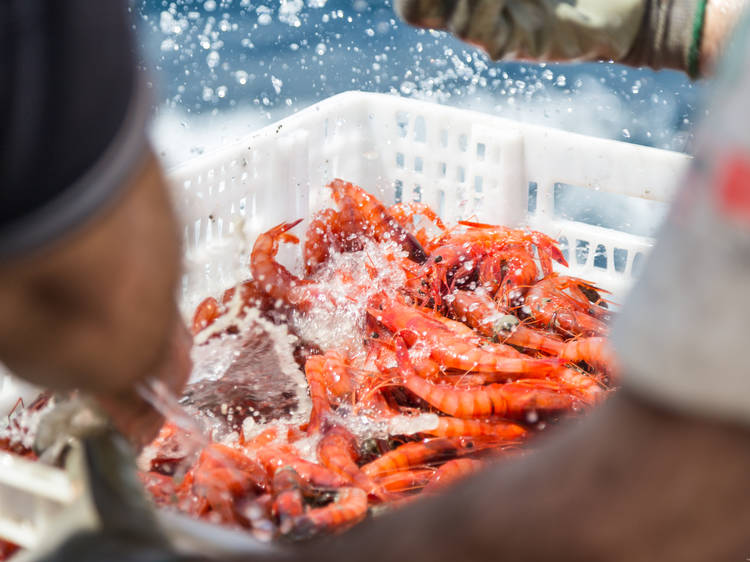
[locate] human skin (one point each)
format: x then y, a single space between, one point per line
630 482
720 18
96 310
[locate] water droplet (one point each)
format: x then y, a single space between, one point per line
169 44
277 84
212 59
241 77
264 15
289 12
407 87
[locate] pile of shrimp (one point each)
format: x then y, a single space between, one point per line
479 343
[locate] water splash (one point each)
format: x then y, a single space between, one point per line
350 280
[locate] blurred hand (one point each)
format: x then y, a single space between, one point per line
96 310
534 29
635 32
131 414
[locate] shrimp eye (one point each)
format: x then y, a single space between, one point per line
438 259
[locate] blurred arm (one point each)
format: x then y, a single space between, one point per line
670 29
636 32
535 29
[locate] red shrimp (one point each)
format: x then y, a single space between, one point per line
275 280
331 230
251 294
371 400
416 453
399 317
289 434
7 549
386 361
404 213
349 508
451 472
595 351
549 305
457 427
238 467
288 502
484 315
265 437
406 480
499 236
462 380
273 458
417 284
316 383
223 475
452 263
338 375
511 268
338 451
162 488
206 314
375 218
169 449
329 379
585 386
192 501
456 327
454 352
322 237
493 238
514 400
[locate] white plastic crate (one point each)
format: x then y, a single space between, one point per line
466 165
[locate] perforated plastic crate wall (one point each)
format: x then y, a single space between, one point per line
467 165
